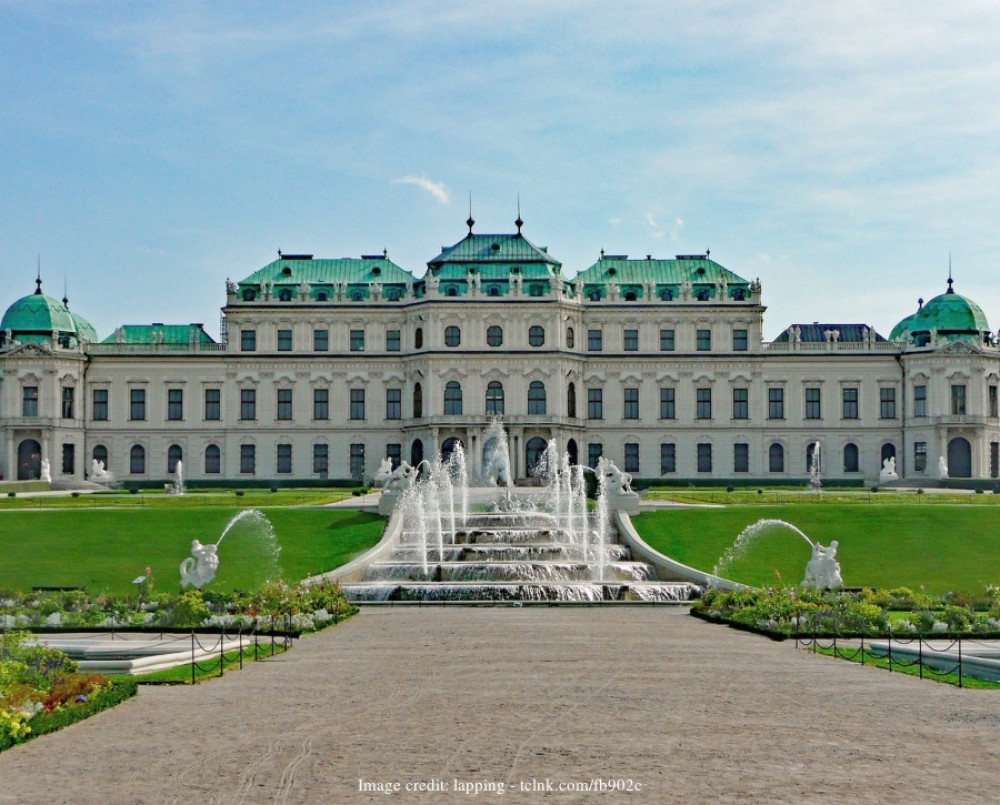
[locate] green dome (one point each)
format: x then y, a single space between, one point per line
952 316
34 317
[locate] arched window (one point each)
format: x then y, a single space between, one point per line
453 397
213 460
570 338
630 296
493 290
452 336
448 447
100 454
573 452
416 452
703 295
888 451
285 295
452 291
850 458
418 401
533 451
494 335
536 397
594 296
536 335
321 296
174 454
137 460
249 295
494 398
666 295
776 458
571 400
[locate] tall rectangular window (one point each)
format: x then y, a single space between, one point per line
887 403
667 407
631 340
594 453
321 340
213 460
284 404
392 341
321 459
68 395
703 400
666 340
99 409
958 400
813 404
920 456
595 404
357 340
29 401
704 457
741 457
991 392
284 460
321 403
740 340
393 403
248 340
631 409
741 403
137 404
357 403
248 404
68 459
994 459
631 457
284 340
668 458
704 340
394 452
849 406
175 404
248 459
920 401
595 340
358 462
213 404
775 403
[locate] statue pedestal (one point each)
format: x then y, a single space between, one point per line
627 502
387 501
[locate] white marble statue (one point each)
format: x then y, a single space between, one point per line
46 471
888 471
942 467
823 570
200 567
396 480
98 472
618 483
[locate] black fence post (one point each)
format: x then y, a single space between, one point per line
960 662
920 656
241 646
222 652
192 657
888 654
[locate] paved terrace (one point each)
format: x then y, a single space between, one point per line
689 711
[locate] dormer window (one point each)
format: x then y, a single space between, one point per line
452 291
739 295
493 290
594 296
356 295
666 295
393 295
321 296
249 295
285 295
630 296
703 295
536 290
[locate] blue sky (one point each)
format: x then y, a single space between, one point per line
840 152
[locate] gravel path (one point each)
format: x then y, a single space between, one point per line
451 697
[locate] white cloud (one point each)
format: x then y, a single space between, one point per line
436 189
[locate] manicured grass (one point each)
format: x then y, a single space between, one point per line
208 668
194 499
855 655
772 496
105 549
937 548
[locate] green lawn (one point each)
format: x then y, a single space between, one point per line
939 548
105 549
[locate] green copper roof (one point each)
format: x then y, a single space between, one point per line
499 250
296 269
34 317
952 316
159 334
667 276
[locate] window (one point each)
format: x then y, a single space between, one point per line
595 339
418 401
213 460
392 341
394 452
284 459
284 403
704 340
494 398
285 295
776 458
594 453
920 456
668 457
321 403
851 463
570 338
631 340
453 397
137 405
775 403
849 406
958 400
393 403
666 294
418 338
321 340
137 460
992 399
321 459
174 454
494 336
739 340
248 404
248 340
920 401
100 455
631 457
68 459
175 404
666 340
452 336
536 335
631 408
357 340
571 400
595 403
813 403
536 398
284 340
213 404
99 410
667 409
994 459
741 457
29 401
67 402
704 457
357 403
703 400
741 403
357 462
887 403
248 459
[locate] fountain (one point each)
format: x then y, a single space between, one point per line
99 474
177 487
814 469
200 567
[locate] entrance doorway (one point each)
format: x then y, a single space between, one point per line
29 460
959 458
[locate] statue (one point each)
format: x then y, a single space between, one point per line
888 471
618 482
98 472
942 467
200 567
823 569
46 471
396 480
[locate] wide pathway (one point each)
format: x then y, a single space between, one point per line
531 698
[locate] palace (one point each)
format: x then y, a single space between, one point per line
326 366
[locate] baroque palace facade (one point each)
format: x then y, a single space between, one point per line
327 366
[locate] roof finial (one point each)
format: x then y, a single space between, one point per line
65 291
950 280
519 223
38 276
470 221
